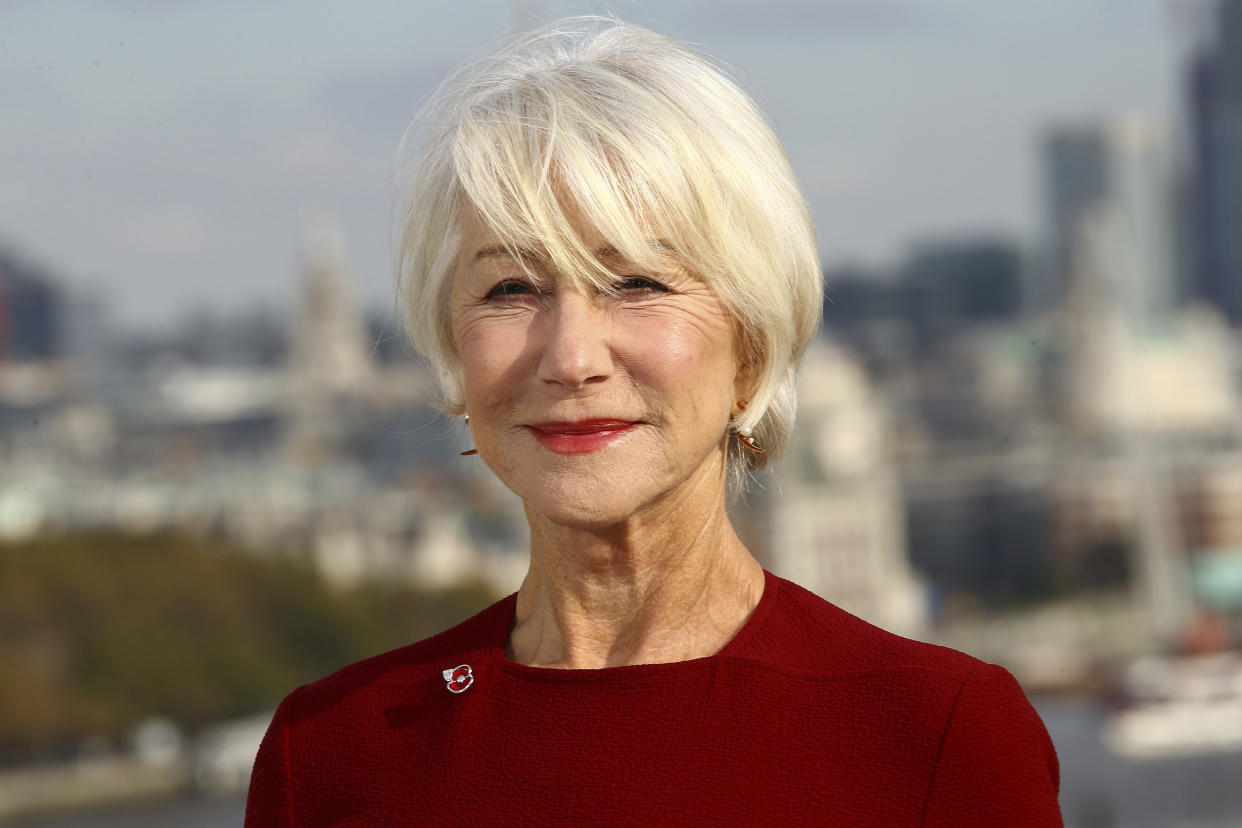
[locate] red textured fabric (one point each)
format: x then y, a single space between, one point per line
809 716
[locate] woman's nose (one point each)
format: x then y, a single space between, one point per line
575 348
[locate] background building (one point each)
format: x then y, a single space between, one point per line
833 512
1115 176
31 312
1215 104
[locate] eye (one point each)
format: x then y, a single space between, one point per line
510 288
638 284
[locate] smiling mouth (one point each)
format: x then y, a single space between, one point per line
580 436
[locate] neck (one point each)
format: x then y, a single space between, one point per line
672 584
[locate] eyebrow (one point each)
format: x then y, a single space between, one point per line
608 251
497 250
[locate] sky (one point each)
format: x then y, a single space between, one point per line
166 155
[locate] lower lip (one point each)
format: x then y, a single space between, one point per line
581 442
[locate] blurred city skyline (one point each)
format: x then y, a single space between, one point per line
1020 434
166 156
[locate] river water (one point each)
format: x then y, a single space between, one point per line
1098 790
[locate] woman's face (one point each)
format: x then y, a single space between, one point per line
592 407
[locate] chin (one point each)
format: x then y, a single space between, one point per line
577 503
580 520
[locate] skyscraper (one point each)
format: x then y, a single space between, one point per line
1111 178
1216 134
31 312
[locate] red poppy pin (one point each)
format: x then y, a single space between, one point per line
458 678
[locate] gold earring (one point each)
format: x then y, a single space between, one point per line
748 439
745 434
468 452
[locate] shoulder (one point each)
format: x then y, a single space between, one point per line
394 674
815 650
993 761
338 724
805 632
996 764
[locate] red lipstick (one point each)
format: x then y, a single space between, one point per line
580 436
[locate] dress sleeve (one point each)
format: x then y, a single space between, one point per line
270 801
997 765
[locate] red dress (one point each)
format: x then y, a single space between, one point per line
809 716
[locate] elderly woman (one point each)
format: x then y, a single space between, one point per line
609 263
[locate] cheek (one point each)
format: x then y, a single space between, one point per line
490 354
687 360
483 372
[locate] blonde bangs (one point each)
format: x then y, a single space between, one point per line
534 164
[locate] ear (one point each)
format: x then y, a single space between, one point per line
745 380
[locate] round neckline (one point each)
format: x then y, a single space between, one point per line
504 627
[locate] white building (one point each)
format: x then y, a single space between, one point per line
835 518
330 357
1127 376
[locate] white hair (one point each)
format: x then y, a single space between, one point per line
632 131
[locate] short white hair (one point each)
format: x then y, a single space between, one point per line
632 131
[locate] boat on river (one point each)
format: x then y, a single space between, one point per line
1177 706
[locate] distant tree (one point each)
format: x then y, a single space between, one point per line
100 631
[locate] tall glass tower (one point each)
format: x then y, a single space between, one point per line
1112 178
1216 133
